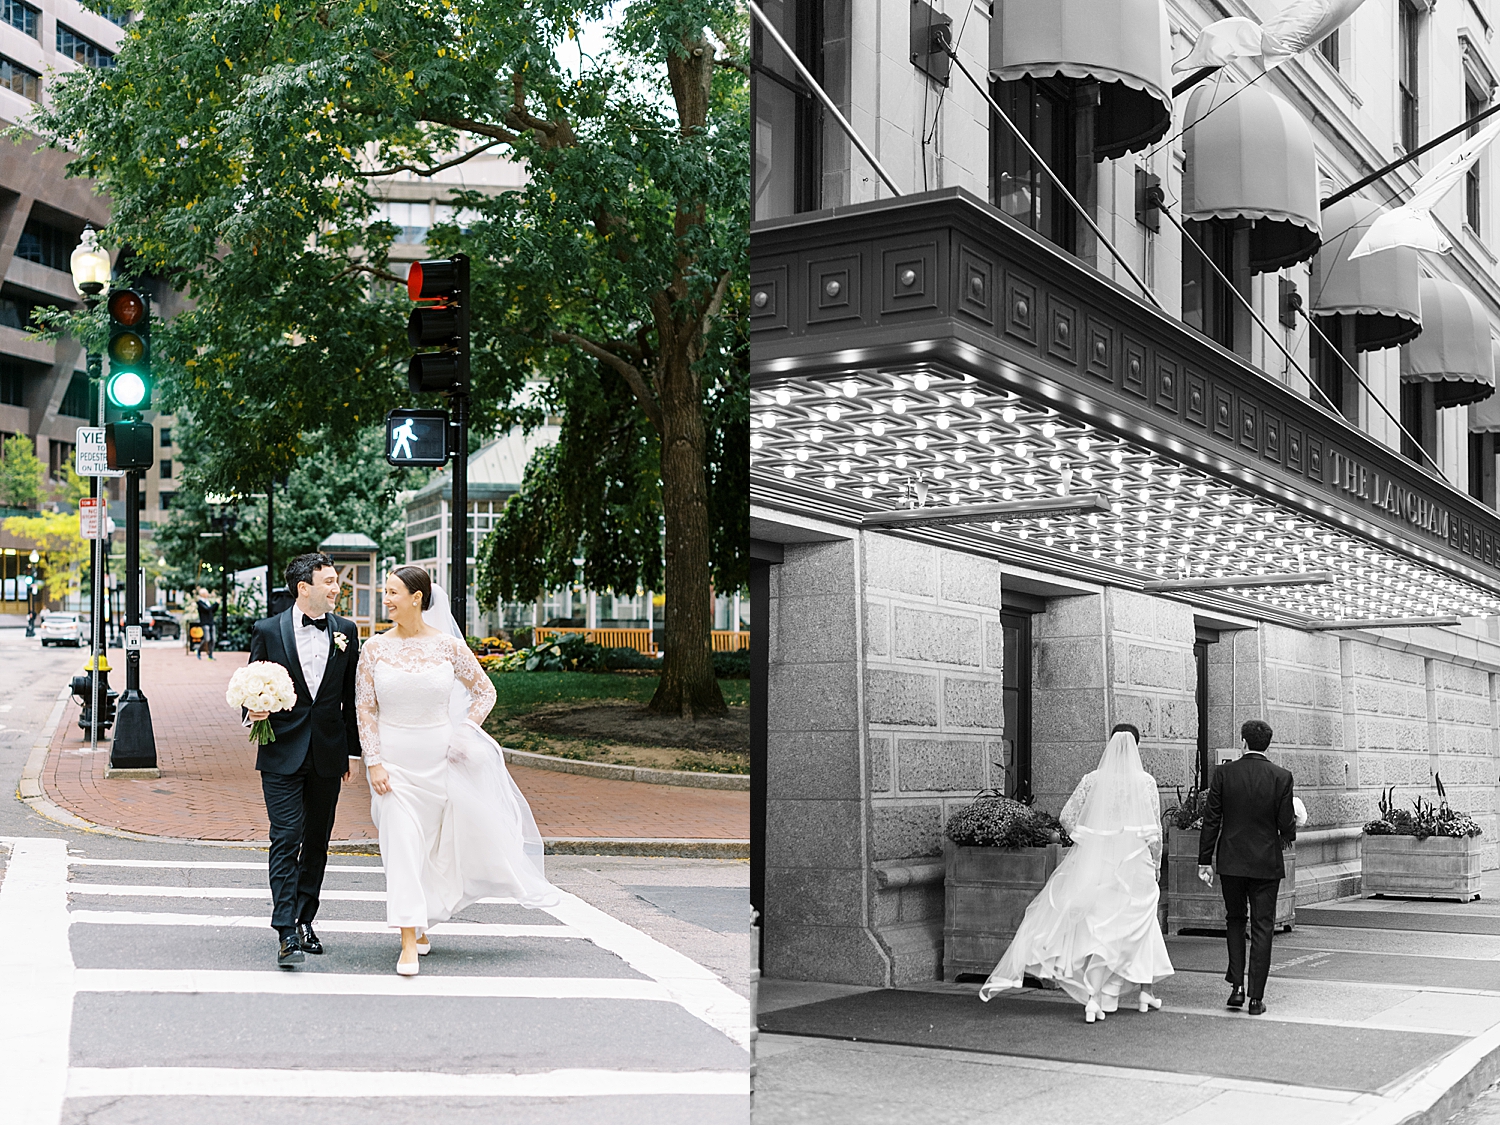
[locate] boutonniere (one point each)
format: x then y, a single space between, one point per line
340 641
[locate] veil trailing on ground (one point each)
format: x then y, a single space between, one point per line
1093 928
485 793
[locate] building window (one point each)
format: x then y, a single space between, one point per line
1475 99
75 403
1327 363
1016 693
1043 110
23 17
1419 419
411 220
83 51
1407 76
164 500
166 437
19 80
15 312
12 384
1207 303
59 458
786 142
46 245
1329 48
166 470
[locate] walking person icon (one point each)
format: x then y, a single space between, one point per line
404 435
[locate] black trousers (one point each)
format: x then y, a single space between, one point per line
1254 899
301 806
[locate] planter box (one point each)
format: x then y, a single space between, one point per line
1193 906
986 892
1437 867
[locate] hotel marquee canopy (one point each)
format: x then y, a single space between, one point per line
928 353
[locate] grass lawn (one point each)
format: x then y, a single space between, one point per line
520 692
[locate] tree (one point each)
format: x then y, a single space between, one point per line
22 475
63 551
238 142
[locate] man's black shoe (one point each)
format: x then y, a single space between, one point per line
1257 1008
1236 999
289 953
307 939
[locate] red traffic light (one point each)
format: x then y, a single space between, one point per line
432 279
126 307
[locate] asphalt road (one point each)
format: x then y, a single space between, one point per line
143 988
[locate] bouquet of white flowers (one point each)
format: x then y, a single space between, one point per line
262 686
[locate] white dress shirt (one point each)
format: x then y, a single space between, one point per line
312 650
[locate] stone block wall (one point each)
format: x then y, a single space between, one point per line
817 853
1386 693
1069 696
1462 752
934 720
1154 681
1303 700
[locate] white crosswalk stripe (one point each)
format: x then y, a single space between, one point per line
43 985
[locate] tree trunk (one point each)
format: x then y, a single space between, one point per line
687 684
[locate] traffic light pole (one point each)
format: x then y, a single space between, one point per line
96 580
458 593
135 741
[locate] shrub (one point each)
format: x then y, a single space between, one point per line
1187 813
1425 819
570 652
732 665
617 659
996 821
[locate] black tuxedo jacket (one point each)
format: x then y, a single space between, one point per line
325 727
1249 818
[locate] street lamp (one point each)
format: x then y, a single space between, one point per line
30 593
91 269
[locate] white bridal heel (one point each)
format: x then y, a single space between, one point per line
424 947
408 968
1149 1003
1092 1011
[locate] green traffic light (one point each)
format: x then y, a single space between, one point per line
127 390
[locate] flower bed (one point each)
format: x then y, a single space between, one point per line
999 854
1431 851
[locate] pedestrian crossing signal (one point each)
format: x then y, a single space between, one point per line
416 437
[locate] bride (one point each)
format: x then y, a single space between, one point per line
1093 928
453 826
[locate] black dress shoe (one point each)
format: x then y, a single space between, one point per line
1257 1008
307 939
1236 999
289 953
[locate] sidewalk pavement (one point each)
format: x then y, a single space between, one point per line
209 790
1379 1012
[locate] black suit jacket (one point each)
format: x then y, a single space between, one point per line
1249 818
326 727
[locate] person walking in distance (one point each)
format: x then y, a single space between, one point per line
206 610
1250 818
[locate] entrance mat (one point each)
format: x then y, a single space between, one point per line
1439 921
1351 1058
1302 963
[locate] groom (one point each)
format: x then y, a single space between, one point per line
301 771
1249 820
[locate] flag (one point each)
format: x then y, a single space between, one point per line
1298 26
1411 224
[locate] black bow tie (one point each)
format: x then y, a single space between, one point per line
315 622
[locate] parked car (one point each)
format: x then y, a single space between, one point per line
158 624
61 629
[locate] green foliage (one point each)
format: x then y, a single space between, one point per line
22 475
1425 819
332 489
997 821
63 551
1187 813
732 665
570 652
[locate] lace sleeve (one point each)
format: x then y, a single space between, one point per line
1152 835
366 705
1074 808
481 692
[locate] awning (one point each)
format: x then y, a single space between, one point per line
1484 417
1454 349
1379 291
1121 45
1252 158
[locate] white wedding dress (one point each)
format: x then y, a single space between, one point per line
1094 928
454 827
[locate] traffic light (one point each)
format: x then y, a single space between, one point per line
129 445
128 387
440 320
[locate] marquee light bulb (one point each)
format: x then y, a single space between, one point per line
900 460
1009 414
939 472
833 413
768 420
1049 430
960 456
878 429
920 381
829 482
860 449
1083 444
1088 473
1029 479
1201 491
882 477
851 388
1117 484
898 404
983 436
756 441
844 467
997 467
1054 463
967 398
783 397
1147 468
1116 458
1024 533
1007 494
1022 450
920 442
1175 480
802 455
789 471
943 421
815 435
867 492
994 525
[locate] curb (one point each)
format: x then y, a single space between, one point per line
732 781
1446 1087
643 846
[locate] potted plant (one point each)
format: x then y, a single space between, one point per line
1431 851
999 853
1192 905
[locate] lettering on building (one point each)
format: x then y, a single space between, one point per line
1388 495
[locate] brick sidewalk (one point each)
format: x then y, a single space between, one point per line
209 790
